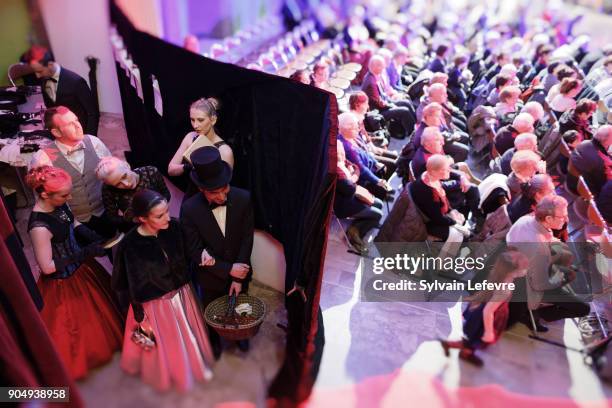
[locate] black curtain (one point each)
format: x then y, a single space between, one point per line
283 135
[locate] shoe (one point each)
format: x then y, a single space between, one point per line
447 345
243 345
354 237
470 356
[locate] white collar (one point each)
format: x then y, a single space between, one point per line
56 75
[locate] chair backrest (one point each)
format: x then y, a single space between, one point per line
411 176
571 169
17 71
595 216
564 149
583 189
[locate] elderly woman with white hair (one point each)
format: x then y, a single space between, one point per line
120 185
524 141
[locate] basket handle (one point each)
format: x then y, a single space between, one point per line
231 305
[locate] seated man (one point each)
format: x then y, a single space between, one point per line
549 271
501 81
399 110
455 144
453 119
62 87
504 138
524 141
592 159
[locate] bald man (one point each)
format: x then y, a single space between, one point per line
399 110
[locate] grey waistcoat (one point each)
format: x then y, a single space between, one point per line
86 188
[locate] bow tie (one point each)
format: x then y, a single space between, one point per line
215 205
52 80
80 146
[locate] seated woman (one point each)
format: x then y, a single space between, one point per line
525 164
572 139
79 310
430 197
165 335
359 106
120 185
538 187
203 116
320 75
565 100
579 119
486 317
354 201
369 169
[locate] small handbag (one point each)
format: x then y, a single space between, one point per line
145 340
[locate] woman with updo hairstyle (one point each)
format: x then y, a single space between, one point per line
79 310
203 116
151 271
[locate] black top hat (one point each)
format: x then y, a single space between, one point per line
209 172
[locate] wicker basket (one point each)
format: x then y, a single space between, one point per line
234 332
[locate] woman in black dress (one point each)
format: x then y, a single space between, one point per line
79 310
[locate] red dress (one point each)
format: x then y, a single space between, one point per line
79 307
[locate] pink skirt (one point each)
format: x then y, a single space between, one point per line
182 354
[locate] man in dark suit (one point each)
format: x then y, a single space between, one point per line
62 87
218 229
399 110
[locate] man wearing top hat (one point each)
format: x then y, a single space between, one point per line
218 229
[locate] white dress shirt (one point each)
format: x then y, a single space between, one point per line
75 155
51 86
220 214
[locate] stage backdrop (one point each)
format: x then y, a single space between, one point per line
283 135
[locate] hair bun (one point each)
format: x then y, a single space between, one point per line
214 103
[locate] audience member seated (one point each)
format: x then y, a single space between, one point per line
62 87
540 186
430 197
565 100
486 317
501 81
438 63
453 142
579 118
301 75
369 169
459 80
120 185
536 111
395 69
550 267
525 164
504 138
320 75
359 106
592 159
399 110
509 103
352 200
524 141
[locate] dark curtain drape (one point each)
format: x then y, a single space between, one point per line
283 137
27 355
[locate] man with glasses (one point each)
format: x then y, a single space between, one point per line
78 154
550 268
